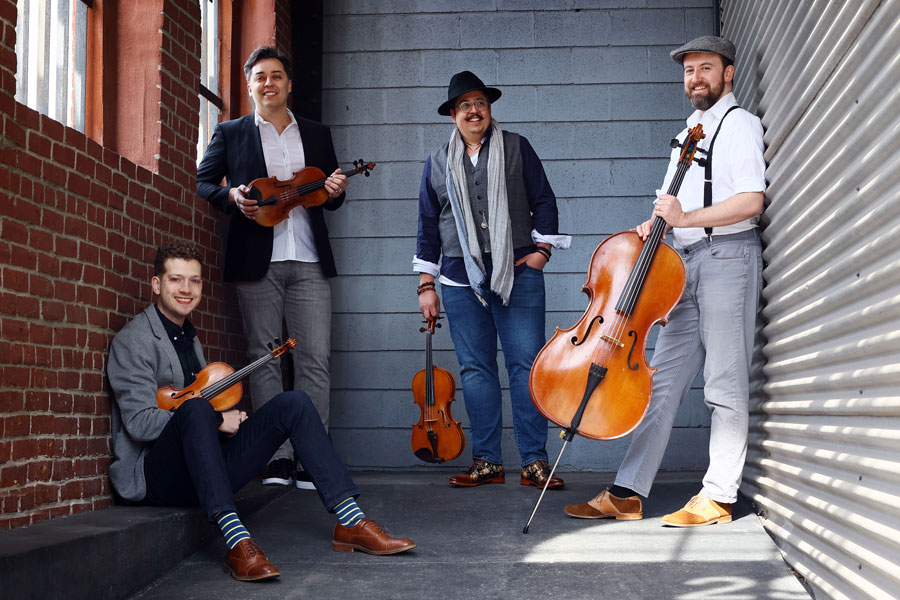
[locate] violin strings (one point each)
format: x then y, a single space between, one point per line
226 382
306 188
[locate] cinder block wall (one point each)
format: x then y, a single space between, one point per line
592 87
80 224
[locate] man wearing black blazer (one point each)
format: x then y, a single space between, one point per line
280 273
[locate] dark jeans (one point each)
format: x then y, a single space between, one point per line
190 463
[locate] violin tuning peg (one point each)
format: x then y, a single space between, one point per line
674 143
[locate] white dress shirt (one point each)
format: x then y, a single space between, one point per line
293 238
738 165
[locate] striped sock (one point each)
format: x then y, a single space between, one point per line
232 528
349 513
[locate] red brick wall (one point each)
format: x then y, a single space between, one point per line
79 225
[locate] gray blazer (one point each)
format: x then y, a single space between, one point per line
142 359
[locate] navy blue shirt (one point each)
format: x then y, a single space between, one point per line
541 200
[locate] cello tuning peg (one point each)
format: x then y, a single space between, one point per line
269 344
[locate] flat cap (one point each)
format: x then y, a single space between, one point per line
705 43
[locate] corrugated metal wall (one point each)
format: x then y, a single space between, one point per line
589 83
824 465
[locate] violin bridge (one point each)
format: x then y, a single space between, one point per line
613 341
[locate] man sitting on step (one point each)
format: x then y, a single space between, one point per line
195 455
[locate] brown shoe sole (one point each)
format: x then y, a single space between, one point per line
722 519
342 547
552 486
228 570
600 515
499 479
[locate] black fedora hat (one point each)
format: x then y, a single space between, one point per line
463 83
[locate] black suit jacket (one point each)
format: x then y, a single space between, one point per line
235 154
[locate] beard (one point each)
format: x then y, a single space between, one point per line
713 93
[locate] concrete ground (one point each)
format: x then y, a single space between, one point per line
471 545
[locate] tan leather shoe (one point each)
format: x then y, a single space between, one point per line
246 562
606 505
700 510
479 473
536 474
368 536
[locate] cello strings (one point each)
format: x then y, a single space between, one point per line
603 352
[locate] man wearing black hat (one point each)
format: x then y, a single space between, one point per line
488 214
714 223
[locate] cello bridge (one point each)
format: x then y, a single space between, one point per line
613 341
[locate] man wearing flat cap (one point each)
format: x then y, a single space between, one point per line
714 224
487 224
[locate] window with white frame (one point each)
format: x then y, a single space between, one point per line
51 50
210 103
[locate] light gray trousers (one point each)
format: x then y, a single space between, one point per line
298 294
712 328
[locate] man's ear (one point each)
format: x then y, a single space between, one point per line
729 73
156 285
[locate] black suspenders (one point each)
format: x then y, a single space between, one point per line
707 182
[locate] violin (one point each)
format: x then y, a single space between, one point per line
218 383
277 197
593 379
436 437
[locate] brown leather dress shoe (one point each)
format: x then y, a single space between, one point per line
606 505
246 562
479 473
536 474
699 511
368 536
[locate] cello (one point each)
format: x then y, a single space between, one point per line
436 437
593 379
276 197
217 382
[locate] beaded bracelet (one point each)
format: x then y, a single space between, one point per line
424 287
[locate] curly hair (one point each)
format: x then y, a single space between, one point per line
185 250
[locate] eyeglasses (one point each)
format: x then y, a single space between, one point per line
478 105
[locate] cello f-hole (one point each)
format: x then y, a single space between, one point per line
576 342
633 366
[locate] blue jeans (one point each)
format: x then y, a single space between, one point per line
190 463
712 328
474 329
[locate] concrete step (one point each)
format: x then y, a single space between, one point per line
82 556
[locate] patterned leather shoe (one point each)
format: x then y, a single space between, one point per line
479 473
606 505
699 511
368 536
246 562
536 474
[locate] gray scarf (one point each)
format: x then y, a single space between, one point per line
498 215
